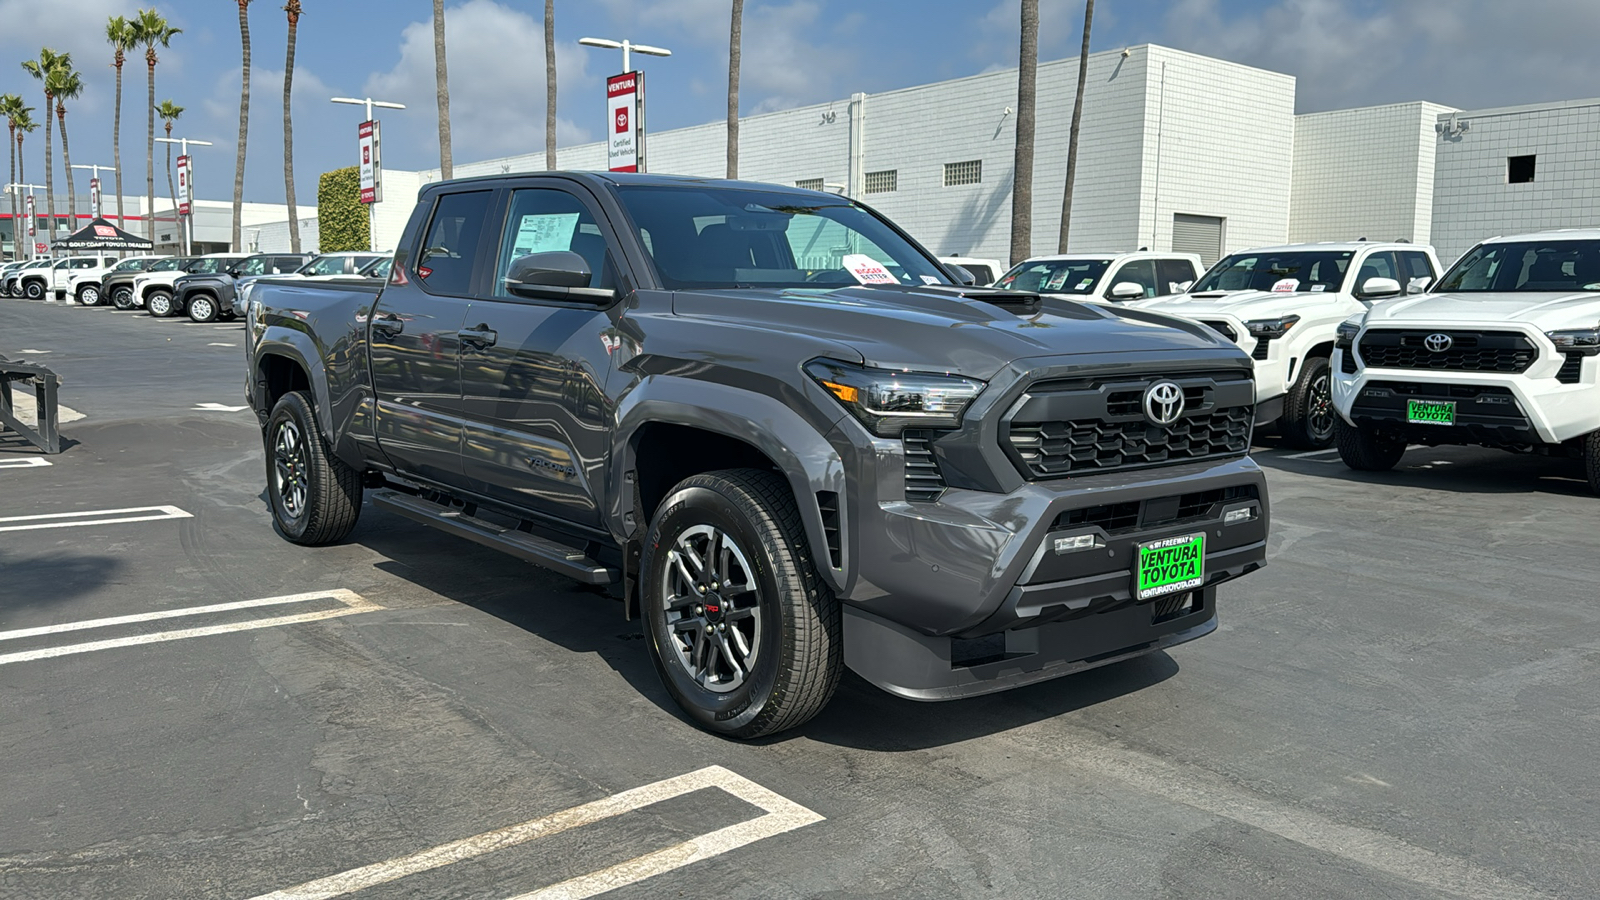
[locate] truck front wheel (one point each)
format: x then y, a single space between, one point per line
1367 451
1591 460
202 308
159 304
745 635
1308 414
315 496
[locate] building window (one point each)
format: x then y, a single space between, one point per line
1519 169
969 172
809 184
883 182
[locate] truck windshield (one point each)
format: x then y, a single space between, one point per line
728 238
1055 276
1295 270
1526 266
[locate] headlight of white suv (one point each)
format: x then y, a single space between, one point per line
1270 329
1345 334
1577 340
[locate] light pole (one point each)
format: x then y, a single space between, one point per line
16 236
376 164
187 177
626 47
94 188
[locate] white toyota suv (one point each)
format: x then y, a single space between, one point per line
1283 305
1504 352
83 285
1105 277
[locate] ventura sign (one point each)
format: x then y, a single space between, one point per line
371 163
625 122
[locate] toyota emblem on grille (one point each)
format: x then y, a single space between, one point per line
1163 402
1438 342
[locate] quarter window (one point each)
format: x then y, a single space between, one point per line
444 261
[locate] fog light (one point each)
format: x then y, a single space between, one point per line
1235 516
1078 542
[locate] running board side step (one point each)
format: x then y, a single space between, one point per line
542 552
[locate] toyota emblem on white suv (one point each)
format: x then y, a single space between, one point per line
1163 402
1438 342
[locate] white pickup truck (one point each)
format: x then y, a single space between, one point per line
1504 352
1283 305
1104 277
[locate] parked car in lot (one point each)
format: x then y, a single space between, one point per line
983 271
117 285
207 296
14 278
62 270
321 268
1505 352
157 287
85 285
1283 305
1109 277
630 380
5 273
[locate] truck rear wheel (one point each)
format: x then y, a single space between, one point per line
33 290
89 295
159 304
315 496
743 632
1308 414
1367 451
1591 460
122 297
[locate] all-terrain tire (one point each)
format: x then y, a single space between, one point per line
315 496
203 308
159 304
1366 451
89 295
1308 415
33 290
1591 460
122 297
797 656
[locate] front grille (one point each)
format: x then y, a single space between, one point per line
1179 509
1131 403
1470 351
924 481
1571 370
1086 446
1224 329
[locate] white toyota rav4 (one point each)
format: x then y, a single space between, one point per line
1504 352
1282 305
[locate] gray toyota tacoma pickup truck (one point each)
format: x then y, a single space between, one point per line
775 427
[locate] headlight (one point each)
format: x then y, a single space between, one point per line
889 402
1577 340
1267 329
1345 334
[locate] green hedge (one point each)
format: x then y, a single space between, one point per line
341 218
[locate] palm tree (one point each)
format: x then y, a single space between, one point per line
1022 161
441 77
170 112
11 105
23 125
1072 138
293 9
244 129
66 84
120 35
151 30
550 84
735 38
40 69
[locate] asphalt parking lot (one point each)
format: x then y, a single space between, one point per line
1402 705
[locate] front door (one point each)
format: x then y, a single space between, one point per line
414 342
533 371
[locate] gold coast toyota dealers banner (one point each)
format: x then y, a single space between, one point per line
625 122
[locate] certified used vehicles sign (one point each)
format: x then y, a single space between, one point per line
1170 565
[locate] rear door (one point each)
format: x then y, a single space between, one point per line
414 345
533 371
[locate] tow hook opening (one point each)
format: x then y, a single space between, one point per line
1174 606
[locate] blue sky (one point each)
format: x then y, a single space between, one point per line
1469 53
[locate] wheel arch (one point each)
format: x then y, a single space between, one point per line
281 366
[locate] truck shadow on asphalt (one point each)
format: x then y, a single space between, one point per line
1461 470
39 580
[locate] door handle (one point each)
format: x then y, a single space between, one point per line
389 325
481 337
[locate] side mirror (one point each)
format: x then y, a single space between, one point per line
962 275
1127 290
554 275
1419 285
1380 287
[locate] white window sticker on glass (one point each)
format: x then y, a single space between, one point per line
867 270
1056 281
1286 285
543 233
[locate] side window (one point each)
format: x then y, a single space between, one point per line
1141 272
255 265
85 263
1415 265
444 261
1173 276
1376 265
327 265
544 220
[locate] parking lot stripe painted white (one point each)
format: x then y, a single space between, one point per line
108 517
215 344
1312 453
780 815
25 350
351 604
26 462
219 407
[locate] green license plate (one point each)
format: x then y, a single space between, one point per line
1170 565
1431 412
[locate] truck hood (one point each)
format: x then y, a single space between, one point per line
1545 311
949 329
1245 305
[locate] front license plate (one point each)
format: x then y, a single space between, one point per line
1431 412
1170 565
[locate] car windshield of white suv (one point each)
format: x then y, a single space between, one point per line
1055 276
1526 266
1309 271
730 238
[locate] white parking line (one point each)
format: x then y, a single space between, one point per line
215 344
1312 453
25 462
75 519
219 407
25 350
781 815
353 603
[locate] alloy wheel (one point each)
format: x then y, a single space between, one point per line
89 296
200 309
289 469
1320 415
712 605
